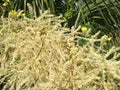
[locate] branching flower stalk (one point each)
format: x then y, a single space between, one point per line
41 54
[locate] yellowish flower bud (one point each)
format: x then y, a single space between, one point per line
23 14
107 38
5 4
84 30
7 0
13 13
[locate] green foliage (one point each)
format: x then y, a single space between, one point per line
17 59
82 42
5 7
